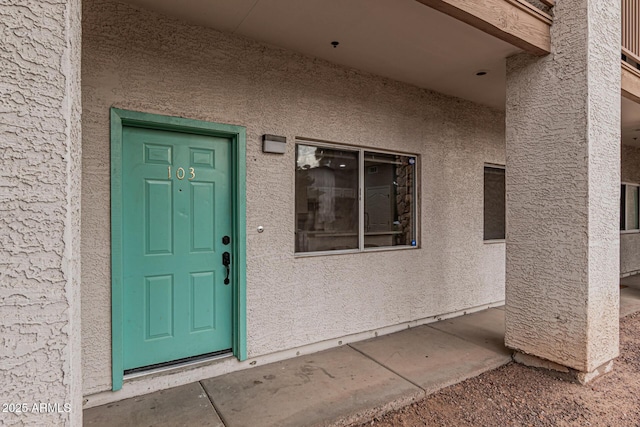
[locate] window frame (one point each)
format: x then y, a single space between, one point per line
361 199
504 168
626 230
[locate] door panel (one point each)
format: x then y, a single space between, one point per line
203 216
176 208
158 306
158 219
203 301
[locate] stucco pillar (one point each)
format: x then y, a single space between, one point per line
563 189
40 178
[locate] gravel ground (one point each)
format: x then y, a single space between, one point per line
515 395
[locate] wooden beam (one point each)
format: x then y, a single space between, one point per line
514 21
630 82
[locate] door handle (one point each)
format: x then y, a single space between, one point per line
226 261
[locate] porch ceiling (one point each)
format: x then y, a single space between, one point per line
400 39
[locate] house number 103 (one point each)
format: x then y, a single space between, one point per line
180 173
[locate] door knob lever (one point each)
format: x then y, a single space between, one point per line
226 261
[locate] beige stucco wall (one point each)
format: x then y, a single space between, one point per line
40 180
630 242
142 61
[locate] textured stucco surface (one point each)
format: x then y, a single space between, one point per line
40 209
630 242
563 177
141 61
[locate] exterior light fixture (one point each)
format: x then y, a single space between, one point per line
274 144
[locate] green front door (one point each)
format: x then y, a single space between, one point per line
176 228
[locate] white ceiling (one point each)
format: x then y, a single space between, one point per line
400 39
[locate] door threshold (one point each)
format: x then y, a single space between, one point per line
176 364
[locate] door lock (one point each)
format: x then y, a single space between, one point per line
226 260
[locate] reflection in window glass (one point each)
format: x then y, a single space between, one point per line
494 203
389 189
632 207
326 199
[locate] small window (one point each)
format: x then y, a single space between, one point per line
353 199
629 207
494 203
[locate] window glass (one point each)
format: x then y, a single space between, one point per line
353 199
632 207
389 183
326 199
494 203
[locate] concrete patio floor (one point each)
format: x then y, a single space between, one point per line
354 382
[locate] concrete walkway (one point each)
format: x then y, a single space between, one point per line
339 386
629 295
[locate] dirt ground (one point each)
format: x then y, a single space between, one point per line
515 395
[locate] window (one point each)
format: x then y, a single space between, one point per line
629 202
353 199
494 203
326 199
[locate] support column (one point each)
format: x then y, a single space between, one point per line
563 192
40 176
